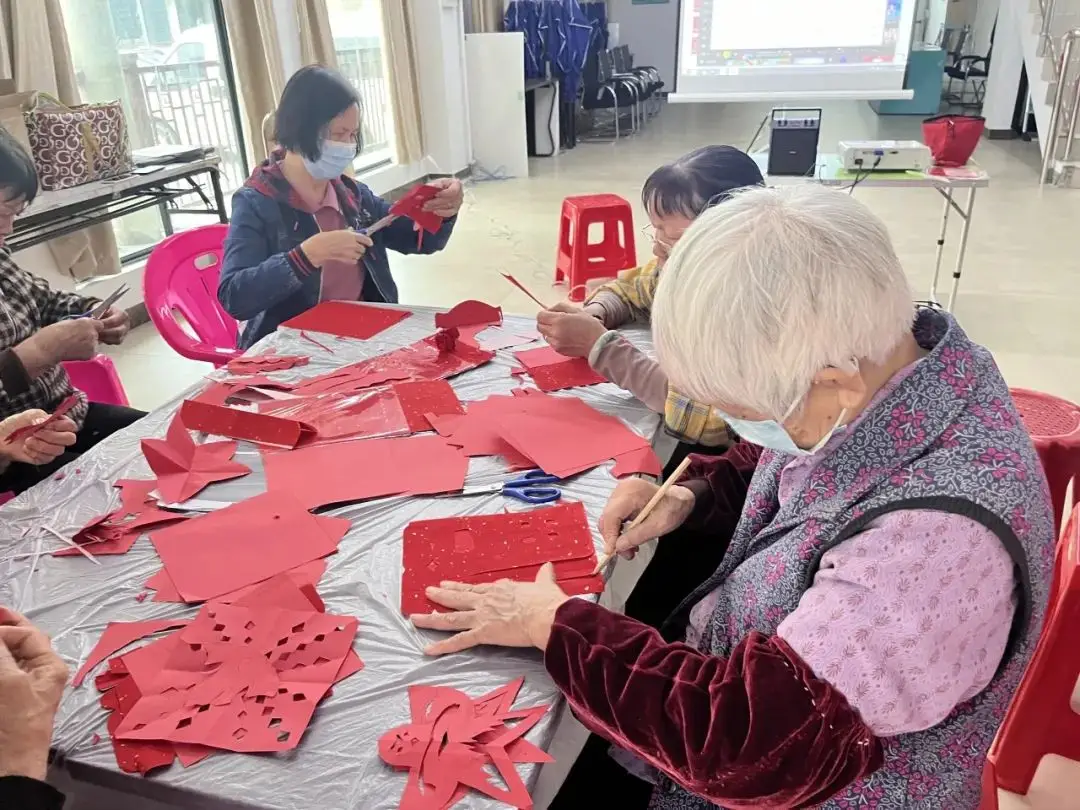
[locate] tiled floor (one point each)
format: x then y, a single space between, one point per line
1016 296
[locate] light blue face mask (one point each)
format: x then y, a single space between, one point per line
771 434
334 158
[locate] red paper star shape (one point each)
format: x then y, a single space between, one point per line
183 467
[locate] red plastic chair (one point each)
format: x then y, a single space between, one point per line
578 260
181 278
97 378
1040 719
1054 425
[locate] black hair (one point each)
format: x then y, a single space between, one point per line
699 180
313 97
18 177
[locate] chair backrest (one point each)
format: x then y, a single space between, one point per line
97 378
181 277
623 61
605 64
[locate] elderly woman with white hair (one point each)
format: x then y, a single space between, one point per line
885 585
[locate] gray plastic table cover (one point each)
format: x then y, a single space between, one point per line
336 766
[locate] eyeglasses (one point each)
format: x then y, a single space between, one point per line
649 232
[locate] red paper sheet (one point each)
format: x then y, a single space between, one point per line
304 577
263 363
371 468
30 430
423 397
642 461
476 437
411 205
469 313
221 420
118 635
244 543
484 548
347 319
552 371
183 468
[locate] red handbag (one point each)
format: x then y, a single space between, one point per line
952 138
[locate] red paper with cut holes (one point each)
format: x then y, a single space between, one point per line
426 396
118 635
244 543
469 313
263 363
183 467
411 205
347 319
221 420
376 468
552 371
484 548
117 532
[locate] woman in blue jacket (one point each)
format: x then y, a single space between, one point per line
297 231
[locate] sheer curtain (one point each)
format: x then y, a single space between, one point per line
260 76
400 51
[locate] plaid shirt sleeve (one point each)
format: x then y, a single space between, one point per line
52 305
694 422
629 297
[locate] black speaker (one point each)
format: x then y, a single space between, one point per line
793 142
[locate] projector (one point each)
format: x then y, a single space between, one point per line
885 156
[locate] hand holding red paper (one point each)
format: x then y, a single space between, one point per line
569 330
447 202
32 437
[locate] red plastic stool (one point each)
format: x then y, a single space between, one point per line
579 261
1054 425
1040 719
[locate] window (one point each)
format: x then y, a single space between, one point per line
358 32
169 73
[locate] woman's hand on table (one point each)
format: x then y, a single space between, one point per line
629 498
42 447
569 329
503 613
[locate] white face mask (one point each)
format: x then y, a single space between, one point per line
772 434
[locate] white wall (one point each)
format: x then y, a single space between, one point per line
1004 78
651 31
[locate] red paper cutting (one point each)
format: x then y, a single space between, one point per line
116 533
347 319
118 635
220 420
411 205
183 468
371 468
426 397
30 430
446 339
521 287
262 363
553 372
469 313
244 543
452 742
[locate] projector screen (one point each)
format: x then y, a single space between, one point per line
735 50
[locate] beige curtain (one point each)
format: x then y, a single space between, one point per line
34 53
256 54
487 16
404 86
316 39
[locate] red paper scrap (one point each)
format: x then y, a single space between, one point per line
553 372
376 412
221 420
305 336
426 397
371 468
305 577
244 543
30 430
453 743
484 548
347 319
446 339
476 437
469 313
642 461
261 363
521 287
118 635
183 468
411 205
115 534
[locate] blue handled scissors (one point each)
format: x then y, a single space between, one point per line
530 488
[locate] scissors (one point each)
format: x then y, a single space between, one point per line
103 307
529 488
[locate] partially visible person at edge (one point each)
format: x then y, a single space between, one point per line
673 196
38 333
32 679
296 236
887 581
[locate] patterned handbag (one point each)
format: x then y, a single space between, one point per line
76 145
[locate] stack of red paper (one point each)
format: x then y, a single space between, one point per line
485 548
552 371
242 677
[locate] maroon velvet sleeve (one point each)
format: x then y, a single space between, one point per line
756 730
719 484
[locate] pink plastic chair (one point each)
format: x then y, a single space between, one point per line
97 378
181 278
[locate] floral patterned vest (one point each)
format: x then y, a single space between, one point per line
948 438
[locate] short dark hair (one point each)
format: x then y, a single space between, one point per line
698 180
313 97
18 177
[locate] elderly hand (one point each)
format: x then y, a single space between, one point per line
43 446
503 613
115 324
629 498
569 329
448 201
32 679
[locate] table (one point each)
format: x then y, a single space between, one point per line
56 213
336 766
829 171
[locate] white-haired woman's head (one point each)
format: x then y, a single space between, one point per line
774 305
